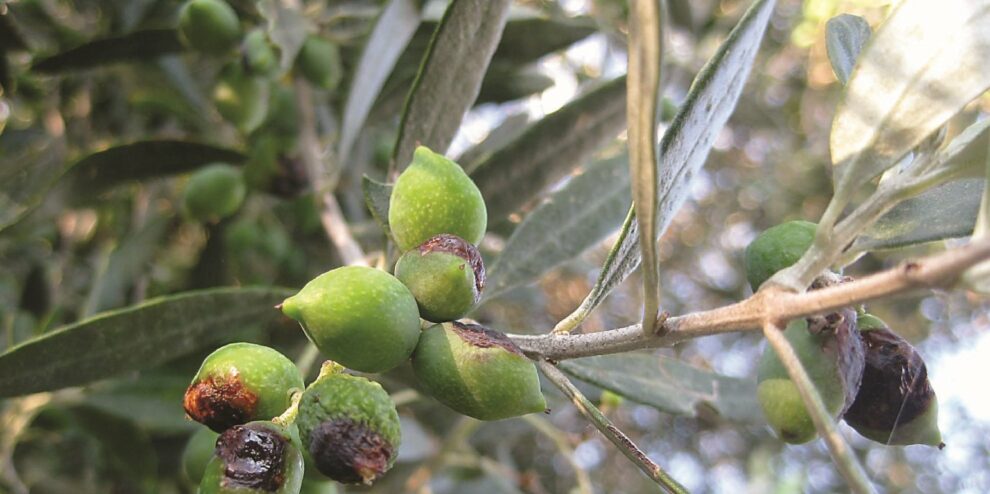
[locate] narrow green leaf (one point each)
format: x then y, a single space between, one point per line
287 28
131 258
395 27
152 402
135 338
923 65
137 46
845 37
550 148
377 197
30 163
583 212
503 84
685 145
450 76
643 84
669 385
529 38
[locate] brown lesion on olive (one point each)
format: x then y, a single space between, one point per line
253 458
452 244
482 337
349 451
220 402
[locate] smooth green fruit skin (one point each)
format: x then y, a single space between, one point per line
777 248
258 55
241 99
214 192
197 454
319 62
294 465
777 394
361 317
485 383
318 487
209 26
442 283
433 196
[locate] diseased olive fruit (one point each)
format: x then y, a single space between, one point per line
258 457
896 404
361 317
241 99
833 358
477 372
214 192
445 274
319 62
197 454
209 26
241 382
349 428
777 248
433 196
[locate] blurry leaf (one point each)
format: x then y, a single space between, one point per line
685 145
511 127
966 154
11 38
377 196
30 163
527 39
643 83
589 207
287 28
177 74
450 76
394 29
503 84
923 65
669 385
550 148
139 46
845 37
144 160
125 448
131 258
152 402
946 211
135 338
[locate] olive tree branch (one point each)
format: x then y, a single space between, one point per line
845 460
610 431
940 270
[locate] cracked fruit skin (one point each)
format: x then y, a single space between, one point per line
241 382
319 62
361 317
258 457
214 192
433 196
209 26
197 454
445 274
349 428
777 248
477 372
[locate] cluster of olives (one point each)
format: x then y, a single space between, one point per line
865 373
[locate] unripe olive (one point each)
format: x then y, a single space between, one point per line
257 54
197 454
209 26
241 382
777 248
318 487
896 404
477 372
445 274
258 457
241 99
362 317
349 428
433 196
214 192
319 62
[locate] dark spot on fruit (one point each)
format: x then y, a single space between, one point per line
253 457
482 337
348 451
220 402
452 244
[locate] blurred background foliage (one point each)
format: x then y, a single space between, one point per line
88 246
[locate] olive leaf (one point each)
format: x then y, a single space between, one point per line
32 162
845 37
137 46
287 28
527 38
450 76
124 265
138 337
377 196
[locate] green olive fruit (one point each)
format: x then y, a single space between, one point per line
362 317
349 428
833 358
283 115
257 457
896 404
241 382
445 274
777 248
197 454
433 196
209 26
318 487
241 99
214 192
319 62
258 55
477 372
